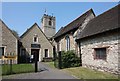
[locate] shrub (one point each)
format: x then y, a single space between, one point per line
70 59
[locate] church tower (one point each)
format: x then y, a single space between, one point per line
48 25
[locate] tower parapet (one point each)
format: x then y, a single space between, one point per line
48 23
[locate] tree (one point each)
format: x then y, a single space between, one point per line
15 33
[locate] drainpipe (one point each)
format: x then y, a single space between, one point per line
80 53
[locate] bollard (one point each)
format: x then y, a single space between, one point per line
59 60
10 66
36 65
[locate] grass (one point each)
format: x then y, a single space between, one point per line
85 73
17 68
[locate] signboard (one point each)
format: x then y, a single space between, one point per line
10 57
35 46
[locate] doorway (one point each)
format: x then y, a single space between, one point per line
33 52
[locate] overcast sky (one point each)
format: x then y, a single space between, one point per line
22 15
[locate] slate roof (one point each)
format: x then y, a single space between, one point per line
105 22
74 24
1 22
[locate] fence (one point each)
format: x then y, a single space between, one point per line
10 67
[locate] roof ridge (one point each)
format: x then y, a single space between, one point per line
81 16
75 23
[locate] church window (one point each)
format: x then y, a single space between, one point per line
35 39
67 43
50 21
46 52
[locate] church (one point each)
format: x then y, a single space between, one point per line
34 40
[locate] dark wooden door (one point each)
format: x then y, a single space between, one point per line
33 52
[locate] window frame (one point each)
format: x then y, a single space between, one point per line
67 43
45 53
36 38
4 51
50 21
99 58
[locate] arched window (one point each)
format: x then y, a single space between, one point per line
50 21
35 39
67 43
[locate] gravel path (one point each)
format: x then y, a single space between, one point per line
45 72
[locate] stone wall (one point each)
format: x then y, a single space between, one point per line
62 43
27 40
109 40
9 42
0 33
49 30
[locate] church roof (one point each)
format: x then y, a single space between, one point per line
74 24
105 22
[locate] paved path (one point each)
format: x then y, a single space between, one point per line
45 72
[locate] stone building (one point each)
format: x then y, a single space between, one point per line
65 37
34 41
99 42
9 44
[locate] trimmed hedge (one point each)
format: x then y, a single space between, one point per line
70 59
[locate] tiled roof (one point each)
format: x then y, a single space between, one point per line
102 23
74 24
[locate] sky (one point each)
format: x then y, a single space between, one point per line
20 16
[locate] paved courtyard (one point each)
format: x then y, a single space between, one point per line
45 72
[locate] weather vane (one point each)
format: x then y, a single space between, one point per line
45 11
52 14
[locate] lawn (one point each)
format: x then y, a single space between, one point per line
85 73
17 68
